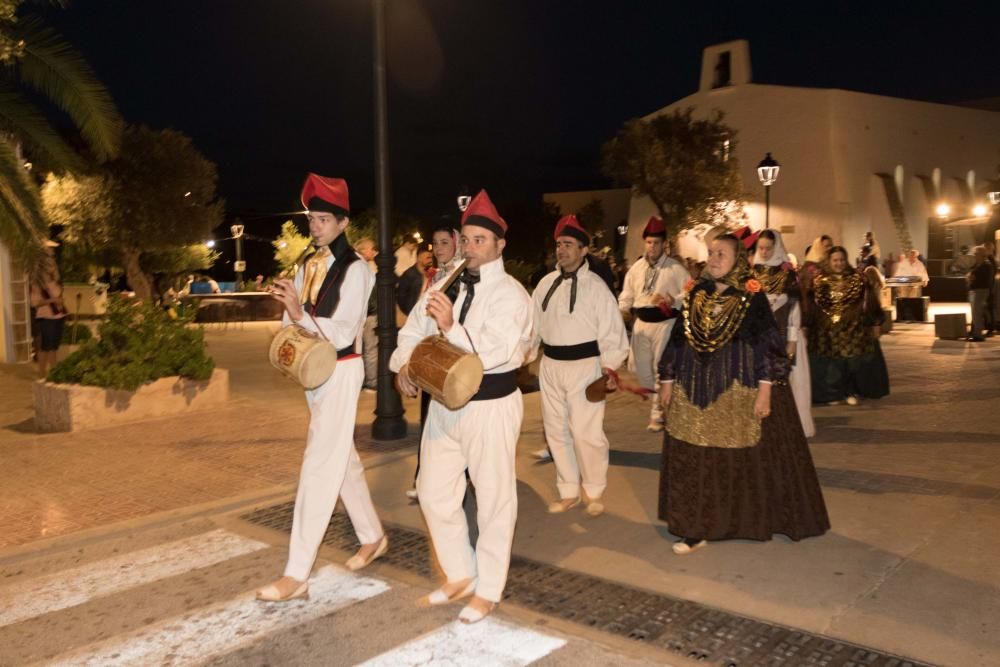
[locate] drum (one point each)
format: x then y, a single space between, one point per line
303 356
447 372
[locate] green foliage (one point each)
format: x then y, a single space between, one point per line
520 270
81 331
138 343
687 167
289 245
40 72
179 259
158 195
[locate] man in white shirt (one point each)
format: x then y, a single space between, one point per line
582 338
329 296
650 296
491 317
910 265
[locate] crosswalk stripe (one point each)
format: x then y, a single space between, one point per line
74 586
489 642
221 628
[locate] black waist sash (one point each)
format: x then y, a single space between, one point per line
571 352
653 314
346 352
496 385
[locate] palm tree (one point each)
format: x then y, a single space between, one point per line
35 58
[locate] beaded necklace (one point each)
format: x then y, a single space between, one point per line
836 292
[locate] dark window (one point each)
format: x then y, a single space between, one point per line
723 71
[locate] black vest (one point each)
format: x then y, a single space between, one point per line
329 291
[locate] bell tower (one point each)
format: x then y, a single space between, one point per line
724 65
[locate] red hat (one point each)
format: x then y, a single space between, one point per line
568 225
320 193
482 213
746 236
655 227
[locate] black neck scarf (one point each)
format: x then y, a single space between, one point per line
563 275
469 280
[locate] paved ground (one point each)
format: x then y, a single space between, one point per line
912 483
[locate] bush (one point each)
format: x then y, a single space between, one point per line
83 334
138 343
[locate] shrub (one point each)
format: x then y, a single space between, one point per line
83 334
138 343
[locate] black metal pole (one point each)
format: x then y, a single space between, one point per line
767 207
389 423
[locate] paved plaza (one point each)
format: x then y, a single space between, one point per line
909 568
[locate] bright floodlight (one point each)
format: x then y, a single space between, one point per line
767 170
943 210
210 243
979 210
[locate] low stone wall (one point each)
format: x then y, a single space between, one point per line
72 407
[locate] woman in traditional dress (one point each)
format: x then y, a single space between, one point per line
844 353
777 277
735 460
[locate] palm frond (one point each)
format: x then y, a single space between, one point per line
55 69
22 226
33 131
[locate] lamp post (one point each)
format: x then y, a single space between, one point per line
995 198
240 265
389 423
767 172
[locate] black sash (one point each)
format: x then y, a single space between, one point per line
496 385
653 314
571 352
346 352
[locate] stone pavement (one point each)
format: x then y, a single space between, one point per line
912 483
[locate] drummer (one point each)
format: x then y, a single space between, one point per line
490 317
582 338
651 293
329 296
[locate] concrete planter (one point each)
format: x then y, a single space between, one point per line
72 407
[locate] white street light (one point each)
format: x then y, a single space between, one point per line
979 210
994 198
210 243
943 210
767 172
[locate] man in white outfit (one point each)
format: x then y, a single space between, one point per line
329 296
651 288
582 338
491 317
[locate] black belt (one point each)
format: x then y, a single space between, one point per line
346 352
571 352
496 385
653 314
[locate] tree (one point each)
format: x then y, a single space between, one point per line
37 65
157 195
687 167
289 246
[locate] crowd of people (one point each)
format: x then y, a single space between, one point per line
734 354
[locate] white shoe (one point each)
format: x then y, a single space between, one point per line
682 548
439 597
542 454
654 427
411 493
563 505
595 508
470 615
270 593
852 400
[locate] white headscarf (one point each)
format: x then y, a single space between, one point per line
778 257
816 253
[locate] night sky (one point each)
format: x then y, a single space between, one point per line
512 95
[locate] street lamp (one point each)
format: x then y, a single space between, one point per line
943 210
767 172
240 266
994 198
389 423
979 210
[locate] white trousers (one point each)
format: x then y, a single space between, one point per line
482 437
648 341
331 468
574 427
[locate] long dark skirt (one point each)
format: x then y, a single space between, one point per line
836 378
714 493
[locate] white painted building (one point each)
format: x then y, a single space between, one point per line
850 162
15 317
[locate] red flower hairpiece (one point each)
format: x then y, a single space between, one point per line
753 286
